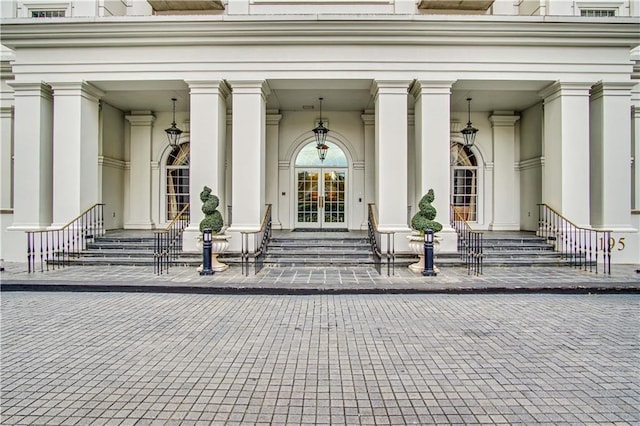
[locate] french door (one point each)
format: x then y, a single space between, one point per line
321 198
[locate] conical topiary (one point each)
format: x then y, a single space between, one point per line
424 219
212 217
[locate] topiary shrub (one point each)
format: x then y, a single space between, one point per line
424 219
212 217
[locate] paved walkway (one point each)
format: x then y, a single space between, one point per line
190 359
329 280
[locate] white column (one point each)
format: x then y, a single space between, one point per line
506 203
565 185
249 152
6 155
208 130
76 185
141 126
391 154
271 162
33 164
368 120
432 125
636 157
611 156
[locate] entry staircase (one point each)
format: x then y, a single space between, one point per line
320 249
511 248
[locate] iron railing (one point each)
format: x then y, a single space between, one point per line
55 247
583 247
375 239
260 243
470 243
168 242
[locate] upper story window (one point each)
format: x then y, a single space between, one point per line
601 8
43 8
48 13
597 13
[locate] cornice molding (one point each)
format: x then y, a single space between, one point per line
320 29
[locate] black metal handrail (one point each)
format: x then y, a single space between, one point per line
55 247
168 242
583 247
260 244
375 239
470 243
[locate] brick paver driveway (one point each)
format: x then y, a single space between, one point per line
112 358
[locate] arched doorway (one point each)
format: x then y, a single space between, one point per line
321 188
177 183
464 181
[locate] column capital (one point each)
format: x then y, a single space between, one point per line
30 89
390 87
213 87
503 119
621 88
431 87
140 119
273 119
564 88
250 87
368 118
77 88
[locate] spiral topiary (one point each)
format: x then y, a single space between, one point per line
213 218
423 219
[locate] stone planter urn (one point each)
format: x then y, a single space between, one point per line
416 244
219 244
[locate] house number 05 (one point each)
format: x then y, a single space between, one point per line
612 243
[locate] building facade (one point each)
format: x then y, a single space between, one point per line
87 89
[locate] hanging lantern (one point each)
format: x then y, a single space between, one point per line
173 132
469 132
320 133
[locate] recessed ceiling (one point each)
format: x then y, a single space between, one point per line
338 95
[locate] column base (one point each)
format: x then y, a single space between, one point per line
504 226
145 225
190 239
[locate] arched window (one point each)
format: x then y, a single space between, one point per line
308 157
464 182
177 180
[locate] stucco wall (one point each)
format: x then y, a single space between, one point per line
113 166
530 166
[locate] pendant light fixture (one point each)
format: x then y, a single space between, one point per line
173 132
469 132
320 133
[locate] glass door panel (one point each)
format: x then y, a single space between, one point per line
320 198
334 199
307 203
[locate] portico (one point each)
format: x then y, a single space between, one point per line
87 133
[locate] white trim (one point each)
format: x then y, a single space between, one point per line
112 163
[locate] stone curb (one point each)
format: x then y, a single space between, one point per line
172 288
